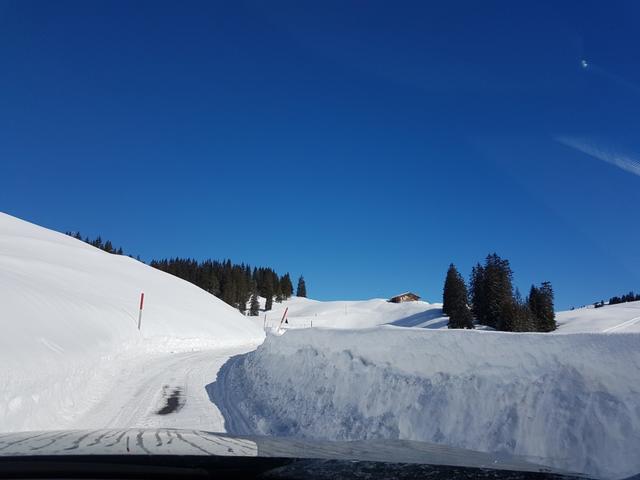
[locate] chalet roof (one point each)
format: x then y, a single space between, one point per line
406 293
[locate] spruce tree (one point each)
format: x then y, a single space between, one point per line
478 297
302 288
546 316
457 300
269 302
447 292
254 308
498 288
461 317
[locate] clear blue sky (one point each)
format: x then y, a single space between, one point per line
365 144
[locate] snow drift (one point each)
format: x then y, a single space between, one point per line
568 401
68 316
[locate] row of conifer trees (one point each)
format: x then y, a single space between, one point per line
239 285
492 301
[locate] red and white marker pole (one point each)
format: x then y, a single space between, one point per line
284 315
140 313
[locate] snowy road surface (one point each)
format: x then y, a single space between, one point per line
146 384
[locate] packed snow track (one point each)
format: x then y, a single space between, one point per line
144 395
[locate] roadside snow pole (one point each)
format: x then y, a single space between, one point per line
140 313
284 315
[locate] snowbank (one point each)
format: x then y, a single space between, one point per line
569 401
68 317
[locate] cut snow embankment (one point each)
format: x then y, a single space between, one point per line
569 401
68 317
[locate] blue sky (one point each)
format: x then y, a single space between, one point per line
364 144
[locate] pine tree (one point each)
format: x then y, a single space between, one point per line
286 285
498 289
108 247
268 293
516 316
269 302
302 288
461 317
478 296
254 307
457 298
447 292
543 308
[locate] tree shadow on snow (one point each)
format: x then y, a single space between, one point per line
422 317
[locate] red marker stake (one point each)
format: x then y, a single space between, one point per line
140 313
284 315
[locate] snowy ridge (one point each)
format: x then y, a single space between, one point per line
68 314
569 401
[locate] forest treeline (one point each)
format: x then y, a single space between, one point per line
239 285
629 297
491 300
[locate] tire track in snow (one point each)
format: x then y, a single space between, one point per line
138 394
626 324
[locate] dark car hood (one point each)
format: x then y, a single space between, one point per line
165 441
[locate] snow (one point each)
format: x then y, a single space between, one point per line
68 316
72 357
622 317
304 312
568 401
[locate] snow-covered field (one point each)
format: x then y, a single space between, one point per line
68 316
304 313
72 357
620 318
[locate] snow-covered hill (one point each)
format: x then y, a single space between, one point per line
304 312
68 317
623 317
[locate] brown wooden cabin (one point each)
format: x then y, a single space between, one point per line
405 297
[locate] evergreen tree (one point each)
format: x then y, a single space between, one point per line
269 302
286 285
302 288
498 289
542 308
516 316
461 317
478 297
254 307
108 247
447 292
457 298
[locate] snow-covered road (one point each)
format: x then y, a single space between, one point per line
145 384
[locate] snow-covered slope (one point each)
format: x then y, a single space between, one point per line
68 317
623 317
569 401
304 312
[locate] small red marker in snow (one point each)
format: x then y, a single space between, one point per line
140 313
